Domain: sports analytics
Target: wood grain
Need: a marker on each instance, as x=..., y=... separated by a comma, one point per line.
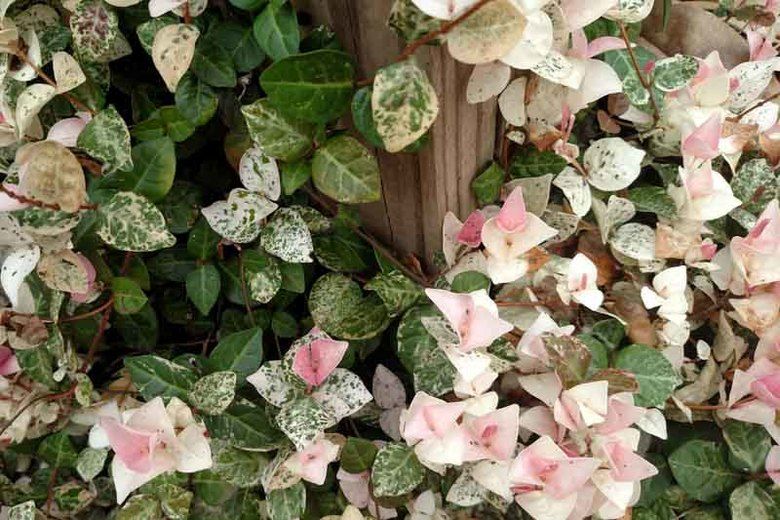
x=417, y=189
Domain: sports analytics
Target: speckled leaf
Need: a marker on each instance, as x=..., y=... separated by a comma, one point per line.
x=419, y=352
x=260, y=173
x=264, y=279
x=245, y=426
x=29, y=103
x=95, y=28
x=576, y=190
x=23, y=511
x=656, y=376
x=670, y=74
x=107, y=139
x=636, y=241
x=238, y=219
x=274, y=383
x=653, y=199
x=241, y=468
x=303, y=420
x=288, y=503
x=213, y=393
x=130, y=222
x=172, y=52
x=286, y=236
x=755, y=185
x=396, y=470
x=345, y=170
x=67, y=72
x=752, y=77
x=275, y=133
x=409, y=21
x=488, y=34
x=342, y=394
x=90, y=462
x=748, y=444
x=140, y=507
x=338, y=307
x=403, y=104
x=612, y=164
x=398, y=292
x=154, y=376
x=751, y=500
x=701, y=469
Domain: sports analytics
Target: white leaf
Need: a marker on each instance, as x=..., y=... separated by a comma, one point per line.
x=67, y=72
x=488, y=34
x=751, y=77
x=576, y=190
x=260, y=173
x=616, y=211
x=288, y=237
x=342, y=394
x=487, y=80
x=172, y=52
x=559, y=69
x=238, y=219
x=636, y=241
x=536, y=42
x=443, y=9
x=27, y=71
x=19, y=263
x=30, y=102
x=612, y=164
x=122, y=3
x=511, y=102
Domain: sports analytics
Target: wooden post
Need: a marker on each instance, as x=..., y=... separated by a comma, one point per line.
x=417, y=189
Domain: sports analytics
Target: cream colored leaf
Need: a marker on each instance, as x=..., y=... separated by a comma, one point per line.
x=50, y=173
x=172, y=52
x=488, y=34
x=576, y=190
x=486, y=81
x=30, y=102
x=67, y=72
x=27, y=71
x=511, y=102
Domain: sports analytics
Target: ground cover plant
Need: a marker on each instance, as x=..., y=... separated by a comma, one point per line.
x=195, y=324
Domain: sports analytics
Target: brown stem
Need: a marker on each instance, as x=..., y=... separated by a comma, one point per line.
x=501, y=303
x=45, y=77
x=85, y=315
x=98, y=336
x=39, y=203
x=187, y=15
x=640, y=75
x=48, y=397
x=762, y=103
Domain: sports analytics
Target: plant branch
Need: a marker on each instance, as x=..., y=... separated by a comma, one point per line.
x=638, y=70
x=757, y=105
x=39, y=203
x=45, y=77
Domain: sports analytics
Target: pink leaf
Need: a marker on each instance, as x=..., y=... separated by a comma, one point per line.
x=627, y=466
x=8, y=362
x=512, y=216
x=315, y=361
x=133, y=447
x=471, y=232
x=702, y=143
x=604, y=44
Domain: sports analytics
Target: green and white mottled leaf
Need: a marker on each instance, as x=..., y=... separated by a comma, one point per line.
x=345, y=170
x=751, y=500
x=29, y=103
x=212, y=394
x=487, y=35
x=396, y=470
x=755, y=184
x=287, y=236
x=67, y=72
x=245, y=426
x=146, y=31
x=303, y=420
x=263, y=276
x=671, y=74
x=576, y=190
x=58, y=451
x=656, y=376
x=701, y=469
x=23, y=511
x=612, y=164
x=342, y=394
x=338, y=307
x=315, y=86
x=403, y=104
x=172, y=52
x=635, y=241
x=748, y=445
x=419, y=352
x=260, y=173
x=752, y=77
x=238, y=219
x=154, y=376
x=288, y=503
x=140, y=507
x=409, y=21
x=95, y=29
x=398, y=292
x=276, y=134
x=241, y=468
x=616, y=211
x=274, y=383
x=107, y=139
x=129, y=222
x=653, y=199
x=91, y=462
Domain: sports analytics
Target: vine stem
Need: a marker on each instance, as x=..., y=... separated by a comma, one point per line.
x=372, y=241
x=640, y=75
x=45, y=77
x=47, y=397
x=757, y=105
x=35, y=202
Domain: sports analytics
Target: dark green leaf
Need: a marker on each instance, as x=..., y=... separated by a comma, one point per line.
x=358, y=455
x=203, y=285
x=240, y=352
x=276, y=30
x=128, y=297
x=701, y=468
x=213, y=65
x=154, y=376
x=487, y=185
x=195, y=99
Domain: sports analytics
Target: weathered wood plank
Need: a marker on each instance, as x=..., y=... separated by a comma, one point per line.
x=417, y=189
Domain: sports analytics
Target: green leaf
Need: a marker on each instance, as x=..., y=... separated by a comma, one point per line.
x=670, y=74
x=57, y=450
x=203, y=241
x=213, y=393
x=752, y=501
x=611, y=332
x=213, y=65
x=701, y=469
x=656, y=376
x=203, y=285
x=239, y=42
x=420, y=353
x=653, y=199
x=530, y=162
x=37, y=363
x=288, y=503
x=128, y=297
x=470, y=281
x=129, y=222
x=303, y=420
x=246, y=427
x=107, y=139
x=363, y=117
x=283, y=325
x=569, y=357
x=293, y=277
x=294, y=175
x=338, y=307
x=140, y=507
x=398, y=292
x=240, y=352
x=487, y=185
x=748, y=445
x=315, y=86
x=755, y=185
x=278, y=135
x=196, y=100
x=396, y=470
x=276, y=30
x=345, y=170
x=287, y=236
x=403, y=104
x=241, y=468
x=154, y=376
x=358, y=455
x=139, y=330
x=165, y=122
